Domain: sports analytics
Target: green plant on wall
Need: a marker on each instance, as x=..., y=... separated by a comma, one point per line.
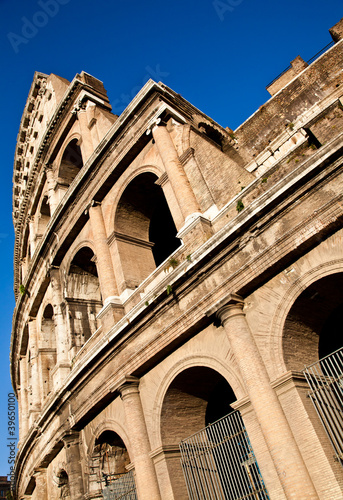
x=173, y=263
x=239, y=206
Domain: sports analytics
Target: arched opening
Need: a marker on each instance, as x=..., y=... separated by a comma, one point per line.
x=197, y=397
x=312, y=333
x=145, y=230
x=113, y=455
x=43, y=216
x=71, y=163
x=63, y=485
x=109, y=465
x=47, y=350
x=83, y=297
x=312, y=328
x=26, y=253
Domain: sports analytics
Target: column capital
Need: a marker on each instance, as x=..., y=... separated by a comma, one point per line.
x=70, y=438
x=155, y=123
x=230, y=305
x=48, y=167
x=128, y=385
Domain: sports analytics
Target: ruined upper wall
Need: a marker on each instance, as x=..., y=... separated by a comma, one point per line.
x=45, y=94
x=44, y=106
x=313, y=84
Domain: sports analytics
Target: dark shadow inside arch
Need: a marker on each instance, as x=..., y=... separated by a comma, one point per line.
x=313, y=328
x=63, y=484
x=197, y=397
x=111, y=455
x=71, y=162
x=48, y=349
x=83, y=263
x=83, y=297
x=143, y=213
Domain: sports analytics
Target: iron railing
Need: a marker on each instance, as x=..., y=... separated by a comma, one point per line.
x=309, y=61
x=325, y=378
x=119, y=487
x=219, y=463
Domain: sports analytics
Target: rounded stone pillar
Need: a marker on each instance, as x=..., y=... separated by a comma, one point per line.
x=103, y=256
x=175, y=171
x=284, y=451
x=86, y=143
x=62, y=367
x=52, y=195
x=146, y=479
x=74, y=469
x=35, y=405
x=23, y=399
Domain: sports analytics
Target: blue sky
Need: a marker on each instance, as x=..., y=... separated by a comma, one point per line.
x=218, y=54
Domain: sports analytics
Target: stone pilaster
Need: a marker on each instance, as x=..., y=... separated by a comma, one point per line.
x=195, y=228
x=86, y=143
x=175, y=171
x=51, y=183
x=113, y=309
x=74, y=469
x=146, y=479
x=62, y=368
x=284, y=451
x=41, y=489
x=23, y=399
x=32, y=237
x=35, y=403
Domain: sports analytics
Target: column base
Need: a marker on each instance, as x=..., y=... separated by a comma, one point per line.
x=33, y=415
x=111, y=313
x=195, y=232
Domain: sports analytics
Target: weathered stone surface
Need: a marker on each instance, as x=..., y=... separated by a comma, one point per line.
x=171, y=270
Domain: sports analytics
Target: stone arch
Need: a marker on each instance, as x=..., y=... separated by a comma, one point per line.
x=44, y=215
x=73, y=250
x=109, y=457
x=223, y=368
x=110, y=425
x=145, y=233
x=47, y=349
x=71, y=162
x=62, y=480
x=196, y=397
x=121, y=186
x=312, y=328
x=83, y=296
x=313, y=275
x=26, y=253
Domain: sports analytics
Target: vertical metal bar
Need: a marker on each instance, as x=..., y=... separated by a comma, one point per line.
x=326, y=393
x=219, y=464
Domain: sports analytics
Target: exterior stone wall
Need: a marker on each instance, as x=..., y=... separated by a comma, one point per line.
x=171, y=273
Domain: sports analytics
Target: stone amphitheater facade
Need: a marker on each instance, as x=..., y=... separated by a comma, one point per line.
x=168, y=272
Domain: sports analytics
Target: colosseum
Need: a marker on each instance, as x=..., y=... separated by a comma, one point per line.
x=179, y=292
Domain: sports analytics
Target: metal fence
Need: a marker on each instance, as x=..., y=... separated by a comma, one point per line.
x=121, y=487
x=219, y=463
x=325, y=378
